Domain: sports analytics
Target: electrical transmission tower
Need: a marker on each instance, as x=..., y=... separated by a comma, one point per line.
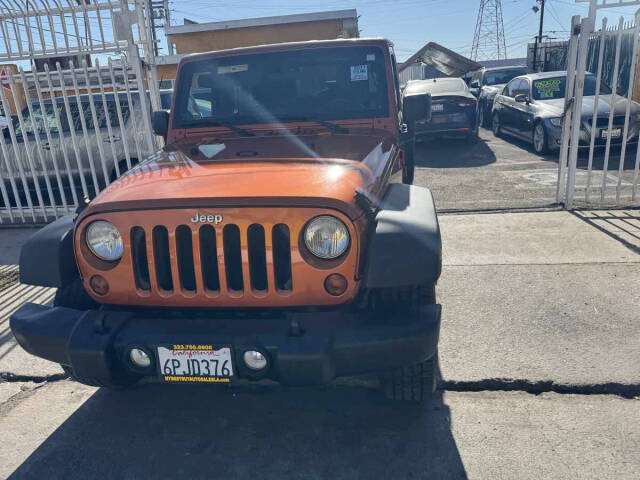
x=488, y=41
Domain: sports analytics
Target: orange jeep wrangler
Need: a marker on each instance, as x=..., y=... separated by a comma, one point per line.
x=277, y=235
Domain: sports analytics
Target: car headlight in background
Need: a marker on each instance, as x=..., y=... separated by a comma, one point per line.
x=556, y=122
x=104, y=240
x=326, y=237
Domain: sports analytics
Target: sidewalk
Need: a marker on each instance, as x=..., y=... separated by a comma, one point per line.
x=540, y=297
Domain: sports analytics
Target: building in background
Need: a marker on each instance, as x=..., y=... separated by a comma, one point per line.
x=204, y=37
x=434, y=61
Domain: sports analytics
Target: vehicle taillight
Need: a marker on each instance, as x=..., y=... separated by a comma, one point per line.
x=466, y=103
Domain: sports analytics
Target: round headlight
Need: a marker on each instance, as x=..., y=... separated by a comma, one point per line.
x=104, y=240
x=326, y=237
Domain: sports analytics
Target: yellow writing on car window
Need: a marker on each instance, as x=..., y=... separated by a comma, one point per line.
x=547, y=88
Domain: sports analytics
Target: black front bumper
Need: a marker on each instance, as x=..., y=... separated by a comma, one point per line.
x=302, y=347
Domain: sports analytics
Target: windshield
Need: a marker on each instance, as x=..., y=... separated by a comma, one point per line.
x=554, y=88
x=314, y=84
x=503, y=76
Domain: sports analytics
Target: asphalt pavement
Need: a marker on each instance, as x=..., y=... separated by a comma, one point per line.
x=538, y=354
x=505, y=173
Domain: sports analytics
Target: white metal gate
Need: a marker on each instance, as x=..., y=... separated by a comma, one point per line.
x=75, y=100
x=599, y=156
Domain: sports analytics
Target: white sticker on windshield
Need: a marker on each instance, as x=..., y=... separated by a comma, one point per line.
x=358, y=73
x=232, y=69
x=212, y=149
x=371, y=57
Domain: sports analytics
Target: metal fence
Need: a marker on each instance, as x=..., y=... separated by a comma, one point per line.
x=75, y=99
x=599, y=156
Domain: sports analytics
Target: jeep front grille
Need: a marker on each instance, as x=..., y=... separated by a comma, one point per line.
x=212, y=257
x=251, y=258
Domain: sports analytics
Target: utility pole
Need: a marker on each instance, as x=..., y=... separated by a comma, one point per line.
x=539, y=39
x=159, y=18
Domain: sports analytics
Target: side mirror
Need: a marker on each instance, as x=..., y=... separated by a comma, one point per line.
x=416, y=108
x=521, y=98
x=474, y=91
x=160, y=122
x=474, y=84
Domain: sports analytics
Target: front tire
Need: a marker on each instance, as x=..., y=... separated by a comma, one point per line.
x=495, y=124
x=472, y=137
x=484, y=117
x=539, y=139
x=415, y=383
x=408, y=171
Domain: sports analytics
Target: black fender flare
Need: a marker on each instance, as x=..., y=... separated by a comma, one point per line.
x=47, y=258
x=404, y=245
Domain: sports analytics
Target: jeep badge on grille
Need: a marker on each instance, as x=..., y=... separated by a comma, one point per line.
x=200, y=218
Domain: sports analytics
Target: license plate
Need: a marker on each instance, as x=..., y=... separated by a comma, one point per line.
x=195, y=364
x=615, y=133
x=438, y=107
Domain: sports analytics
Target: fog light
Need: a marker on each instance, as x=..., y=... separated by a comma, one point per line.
x=99, y=285
x=335, y=284
x=255, y=360
x=139, y=358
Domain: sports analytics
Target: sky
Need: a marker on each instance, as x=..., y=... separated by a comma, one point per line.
x=409, y=24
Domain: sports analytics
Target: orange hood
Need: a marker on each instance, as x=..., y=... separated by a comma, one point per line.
x=319, y=170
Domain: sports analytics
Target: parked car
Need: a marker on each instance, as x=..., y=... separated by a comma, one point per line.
x=531, y=107
x=453, y=108
x=63, y=147
x=486, y=83
x=276, y=236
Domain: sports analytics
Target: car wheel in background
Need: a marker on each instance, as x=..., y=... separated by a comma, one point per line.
x=495, y=124
x=484, y=116
x=472, y=136
x=539, y=138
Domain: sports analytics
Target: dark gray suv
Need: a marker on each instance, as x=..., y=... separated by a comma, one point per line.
x=486, y=83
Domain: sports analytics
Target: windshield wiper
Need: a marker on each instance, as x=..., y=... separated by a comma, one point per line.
x=240, y=131
x=333, y=127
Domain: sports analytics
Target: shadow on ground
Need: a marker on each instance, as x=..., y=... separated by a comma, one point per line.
x=248, y=432
x=621, y=225
x=598, y=159
x=453, y=153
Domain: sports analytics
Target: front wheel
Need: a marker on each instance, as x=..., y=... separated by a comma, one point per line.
x=472, y=136
x=539, y=139
x=483, y=117
x=495, y=124
x=415, y=383
x=408, y=171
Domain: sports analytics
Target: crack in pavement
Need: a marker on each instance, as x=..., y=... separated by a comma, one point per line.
x=629, y=391
x=624, y=390
x=12, y=377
